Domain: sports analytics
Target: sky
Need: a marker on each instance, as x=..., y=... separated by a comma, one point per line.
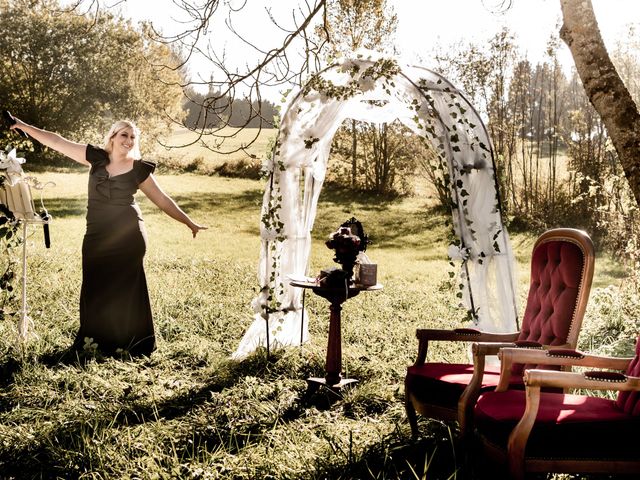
x=423, y=25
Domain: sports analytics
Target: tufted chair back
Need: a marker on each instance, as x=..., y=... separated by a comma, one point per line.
x=562, y=265
x=629, y=402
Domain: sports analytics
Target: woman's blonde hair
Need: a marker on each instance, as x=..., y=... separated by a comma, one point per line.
x=116, y=128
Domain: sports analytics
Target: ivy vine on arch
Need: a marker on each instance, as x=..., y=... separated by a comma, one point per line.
x=9, y=241
x=379, y=90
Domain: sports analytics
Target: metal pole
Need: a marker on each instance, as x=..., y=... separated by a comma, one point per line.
x=304, y=291
x=24, y=319
x=266, y=321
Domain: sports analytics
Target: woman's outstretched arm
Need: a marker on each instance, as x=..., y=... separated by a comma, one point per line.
x=73, y=150
x=165, y=203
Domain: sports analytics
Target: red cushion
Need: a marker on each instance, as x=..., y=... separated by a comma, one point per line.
x=556, y=271
x=564, y=353
x=629, y=402
x=442, y=384
x=571, y=426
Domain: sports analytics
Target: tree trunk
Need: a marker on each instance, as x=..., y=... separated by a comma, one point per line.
x=606, y=91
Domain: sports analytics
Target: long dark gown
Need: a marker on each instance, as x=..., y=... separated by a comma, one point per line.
x=115, y=312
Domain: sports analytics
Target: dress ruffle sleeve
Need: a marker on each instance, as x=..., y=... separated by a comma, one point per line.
x=96, y=156
x=143, y=169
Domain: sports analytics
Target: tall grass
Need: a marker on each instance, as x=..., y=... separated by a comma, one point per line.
x=188, y=411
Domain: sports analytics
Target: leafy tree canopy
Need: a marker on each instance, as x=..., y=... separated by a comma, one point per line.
x=75, y=75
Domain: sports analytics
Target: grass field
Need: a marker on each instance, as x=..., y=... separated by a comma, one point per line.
x=188, y=411
x=184, y=147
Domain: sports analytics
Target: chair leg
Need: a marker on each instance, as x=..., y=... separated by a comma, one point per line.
x=411, y=414
x=465, y=416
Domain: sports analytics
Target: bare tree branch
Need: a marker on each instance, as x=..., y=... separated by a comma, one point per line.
x=274, y=68
x=279, y=65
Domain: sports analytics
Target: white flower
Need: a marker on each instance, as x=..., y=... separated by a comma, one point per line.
x=458, y=253
x=13, y=165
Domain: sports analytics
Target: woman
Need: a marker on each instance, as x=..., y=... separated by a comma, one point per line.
x=115, y=312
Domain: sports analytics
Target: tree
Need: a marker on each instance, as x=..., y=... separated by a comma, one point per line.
x=278, y=66
x=390, y=158
x=353, y=25
x=75, y=75
x=604, y=87
x=580, y=31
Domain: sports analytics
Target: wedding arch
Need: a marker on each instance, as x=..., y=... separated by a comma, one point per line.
x=377, y=90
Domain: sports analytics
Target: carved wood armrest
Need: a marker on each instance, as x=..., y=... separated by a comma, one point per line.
x=464, y=335
x=424, y=335
x=543, y=355
x=595, y=380
x=559, y=356
x=482, y=349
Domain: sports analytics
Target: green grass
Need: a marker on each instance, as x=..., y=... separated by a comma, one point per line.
x=184, y=147
x=188, y=411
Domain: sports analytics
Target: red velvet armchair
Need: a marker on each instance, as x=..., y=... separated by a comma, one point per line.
x=536, y=431
x=562, y=264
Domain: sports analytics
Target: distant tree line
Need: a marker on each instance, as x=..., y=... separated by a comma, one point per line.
x=201, y=113
x=556, y=163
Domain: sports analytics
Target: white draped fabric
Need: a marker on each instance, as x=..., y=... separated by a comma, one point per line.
x=376, y=90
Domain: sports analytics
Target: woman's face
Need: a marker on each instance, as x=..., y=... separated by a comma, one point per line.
x=124, y=141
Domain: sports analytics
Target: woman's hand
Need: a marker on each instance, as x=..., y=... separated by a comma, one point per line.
x=16, y=124
x=195, y=228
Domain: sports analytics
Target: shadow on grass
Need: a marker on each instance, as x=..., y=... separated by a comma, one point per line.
x=340, y=196
x=225, y=375
x=391, y=228
x=8, y=370
x=11, y=366
x=248, y=200
x=398, y=456
x=210, y=429
x=65, y=207
x=386, y=227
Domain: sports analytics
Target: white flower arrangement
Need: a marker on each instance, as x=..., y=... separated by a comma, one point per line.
x=12, y=164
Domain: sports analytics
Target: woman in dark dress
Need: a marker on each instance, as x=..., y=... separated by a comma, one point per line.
x=115, y=312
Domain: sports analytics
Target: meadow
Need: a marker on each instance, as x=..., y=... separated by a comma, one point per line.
x=184, y=149
x=189, y=411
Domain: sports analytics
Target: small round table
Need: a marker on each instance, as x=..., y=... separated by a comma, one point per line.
x=336, y=296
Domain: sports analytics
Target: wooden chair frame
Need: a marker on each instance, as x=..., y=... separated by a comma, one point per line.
x=486, y=343
x=535, y=379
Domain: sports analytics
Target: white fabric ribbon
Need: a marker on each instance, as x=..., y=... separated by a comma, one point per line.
x=13, y=165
